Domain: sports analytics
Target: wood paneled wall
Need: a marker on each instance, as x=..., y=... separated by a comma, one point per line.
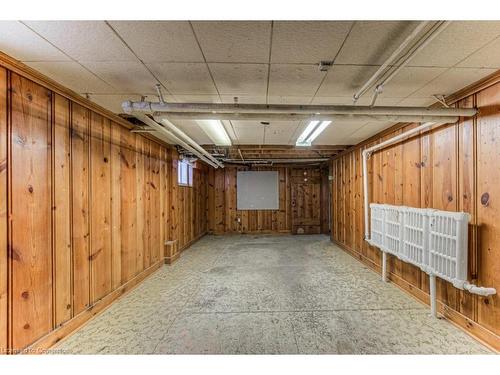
x=453, y=168
x=223, y=217
x=85, y=208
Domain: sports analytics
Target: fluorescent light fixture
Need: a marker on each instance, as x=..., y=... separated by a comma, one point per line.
x=215, y=131
x=311, y=132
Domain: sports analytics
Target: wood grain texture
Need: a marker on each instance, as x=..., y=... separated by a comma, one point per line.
x=3, y=211
x=90, y=205
x=453, y=168
x=223, y=216
x=80, y=184
x=31, y=237
x=488, y=205
x=100, y=207
x=62, y=210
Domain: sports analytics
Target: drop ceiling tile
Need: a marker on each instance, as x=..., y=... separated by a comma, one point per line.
x=294, y=80
x=486, y=57
x=279, y=132
x=23, y=44
x=347, y=100
x=197, y=99
x=410, y=79
x=124, y=76
x=367, y=130
x=160, y=41
x=184, y=78
x=337, y=133
x=72, y=75
x=193, y=130
x=345, y=80
x=452, y=80
x=250, y=133
x=240, y=79
x=456, y=42
x=234, y=41
x=289, y=100
x=113, y=102
x=416, y=102
x=84, y=40
x=372, y=42
x=307, y=42
x=244, y=99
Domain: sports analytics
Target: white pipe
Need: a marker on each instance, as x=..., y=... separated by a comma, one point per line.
x=152, y=107
x=367, y=152
x=384, y=266
x=480, y=290
x=434, y=32
x=168, y=136
x=391, y=58
x=433, y=295
x=180, y=134
x=365, y=195
x=173, y=116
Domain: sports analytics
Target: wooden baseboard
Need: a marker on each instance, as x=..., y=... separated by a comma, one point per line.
x=192, y=242
x=473, y=329
x=66, y=329
x=173, y=258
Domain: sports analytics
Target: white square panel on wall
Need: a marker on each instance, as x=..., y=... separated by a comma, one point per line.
x=257, y=190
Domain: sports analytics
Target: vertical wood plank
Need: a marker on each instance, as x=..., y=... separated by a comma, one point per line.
x=3, y=211
x=100, y=235
x=116, y=181
x=80, y=207
x=467, y=198
x=31, y=240
x=128, y=205
x=488, y=205
x=62, y=210
x=140, y=203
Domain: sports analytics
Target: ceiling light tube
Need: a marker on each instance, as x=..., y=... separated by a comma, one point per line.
x=215, y=131
x=318, y=131
x=301, y=141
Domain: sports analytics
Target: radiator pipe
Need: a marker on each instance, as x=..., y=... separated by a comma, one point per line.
x=384, y=266
x=366, y=154
x=433, y=295
x=479, y=290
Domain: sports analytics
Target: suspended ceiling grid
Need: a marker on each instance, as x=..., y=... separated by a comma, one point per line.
x=257, y=62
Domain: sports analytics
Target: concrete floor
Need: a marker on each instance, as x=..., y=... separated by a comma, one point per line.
x=267, y=295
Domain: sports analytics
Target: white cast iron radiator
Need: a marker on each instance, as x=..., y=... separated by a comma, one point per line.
x=433, y=240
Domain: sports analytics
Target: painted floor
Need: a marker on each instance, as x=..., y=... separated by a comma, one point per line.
x=267, y=295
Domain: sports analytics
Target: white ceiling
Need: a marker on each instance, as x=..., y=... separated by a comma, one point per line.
x=257, y=62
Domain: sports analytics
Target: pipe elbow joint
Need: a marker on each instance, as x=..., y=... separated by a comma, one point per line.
x=480, y=290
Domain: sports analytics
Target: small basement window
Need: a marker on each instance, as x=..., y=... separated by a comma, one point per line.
x=184, y=173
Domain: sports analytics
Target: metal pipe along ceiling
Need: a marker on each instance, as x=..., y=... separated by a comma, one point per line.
x=158, y=116
x=168, y=136
x=214, y=108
